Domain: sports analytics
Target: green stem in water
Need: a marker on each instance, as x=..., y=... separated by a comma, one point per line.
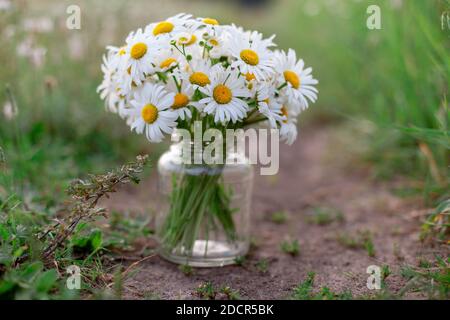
x=198, y=203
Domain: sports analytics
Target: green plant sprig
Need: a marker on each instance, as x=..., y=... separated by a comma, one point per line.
x=85, y=196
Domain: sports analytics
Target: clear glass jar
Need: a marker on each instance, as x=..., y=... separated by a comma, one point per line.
x=204, y=217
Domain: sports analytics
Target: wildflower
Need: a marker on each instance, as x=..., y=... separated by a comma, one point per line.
x=225, y=96
x=151, y=112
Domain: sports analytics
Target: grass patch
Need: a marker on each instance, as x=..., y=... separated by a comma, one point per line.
x=230, y=293
x=290, y=247
x=436, y=228
x=209, y=291
x=240, y=261
x=262, y=265
x=431, y=279
x=322, y=216
x=305, y=291
x=206, y=291
x=187, y=270
x=362, y=240
x=279, y=217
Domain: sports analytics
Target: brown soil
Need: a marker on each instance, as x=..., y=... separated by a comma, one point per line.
x=317, y=171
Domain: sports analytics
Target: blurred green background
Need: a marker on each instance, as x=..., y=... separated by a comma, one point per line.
x=388, y=87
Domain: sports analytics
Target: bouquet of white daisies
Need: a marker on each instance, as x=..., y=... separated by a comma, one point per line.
x=184, y=69
x=180, y=70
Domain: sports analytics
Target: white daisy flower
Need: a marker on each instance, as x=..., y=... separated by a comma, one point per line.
x=268, y=104
x=124, y=110
x=140, y=52
x=118, y=56
x=218, y=41
x=197, y=73
x=256, y=36
x=225, y=96
x=288, y=132
x=151, y=112
x=288, y=126
x=170, y=26
x=166, y=59
x=126, y=83
x=252, y=35
x=108, y=84
x=186, y=38
x=118, y=60
x=109, y=88
x=208, y=25
x=251, y=57
x=182, y=99
x=299, y=82
x=251, y=83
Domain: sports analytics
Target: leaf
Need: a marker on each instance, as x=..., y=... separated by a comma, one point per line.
x=19, y=252
x=89, y=243
x=135, y=180
x=80, y=242
x=80, y=227
x=4, y=233
x=32, y=269
x=96, y=239
x=6, y=287
x=46, y=281
x=37, y=130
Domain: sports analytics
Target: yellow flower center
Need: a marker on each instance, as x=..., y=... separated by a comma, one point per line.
x=249, y=76
x=149, y=113
x=166, y=63
x=292, y=78
x=284, y=112
x=186, y=41
x=222, y=94
x=250, y=57
x=121, y=51
x=138, y=50
x=192, y=41
x=212, y=21
x=181, y=100
x=214, y=42
x=199, y=78
x=163, y=27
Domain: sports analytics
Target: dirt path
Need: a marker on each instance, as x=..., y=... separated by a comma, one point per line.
x=314, y=173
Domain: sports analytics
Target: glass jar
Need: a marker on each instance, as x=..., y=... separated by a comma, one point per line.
x=203, y=219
